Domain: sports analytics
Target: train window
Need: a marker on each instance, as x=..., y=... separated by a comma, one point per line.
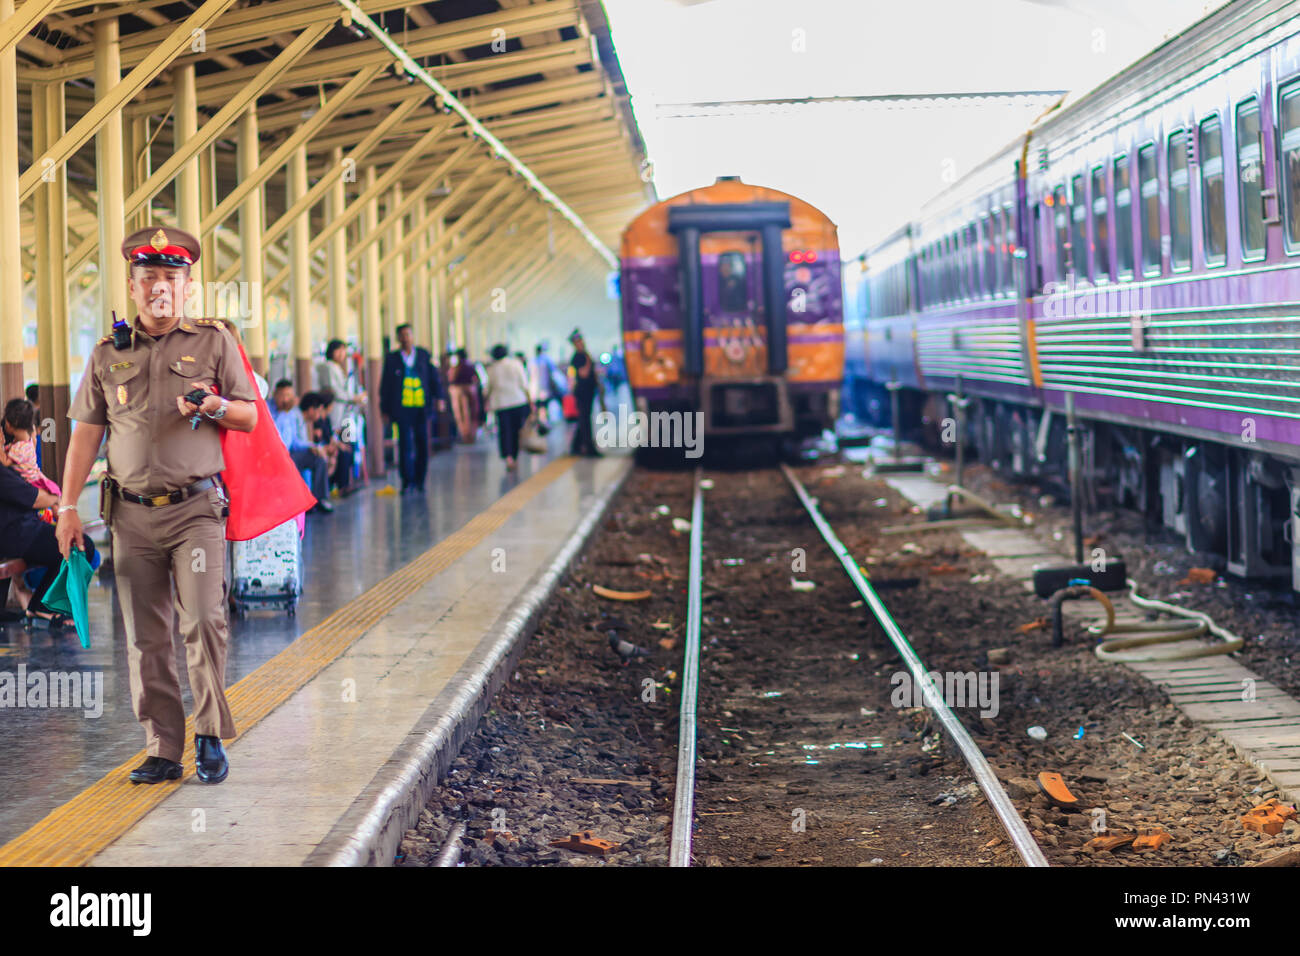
x=1289, y=132
x=991, y=229
x=1180, y=204
x=1250, y=179
x=1149, y=210
x=1008, y=250
x=973, y=260
x=1123, y=220
x=1061, y=218
x=1100, y=232
x=733, y=290
x=1214, y=215
x=958, y=267
x=1036, y=244
x=1079, y=227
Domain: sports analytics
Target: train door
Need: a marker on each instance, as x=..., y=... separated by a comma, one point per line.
x=733, y=307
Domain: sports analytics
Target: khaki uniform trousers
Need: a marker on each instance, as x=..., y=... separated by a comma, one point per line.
x=151, y=546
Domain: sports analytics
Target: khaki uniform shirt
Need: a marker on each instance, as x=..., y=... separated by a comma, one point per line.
x=133, y=391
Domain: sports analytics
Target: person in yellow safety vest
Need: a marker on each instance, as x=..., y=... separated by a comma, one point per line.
x=410, y=395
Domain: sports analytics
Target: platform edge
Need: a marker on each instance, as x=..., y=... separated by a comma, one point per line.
x=393, y=800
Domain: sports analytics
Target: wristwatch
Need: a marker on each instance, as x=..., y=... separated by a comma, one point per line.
x=220, y=413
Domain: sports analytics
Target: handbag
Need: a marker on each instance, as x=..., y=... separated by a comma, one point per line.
x=570, y=406
x=530, y=439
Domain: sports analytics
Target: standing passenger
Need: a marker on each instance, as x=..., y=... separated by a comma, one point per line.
x=584, y=382
x=409, y=391
x=507, y=395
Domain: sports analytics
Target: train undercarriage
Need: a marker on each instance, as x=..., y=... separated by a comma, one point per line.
x=1238, y=504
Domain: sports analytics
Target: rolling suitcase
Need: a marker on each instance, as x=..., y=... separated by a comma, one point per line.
x=267, y=571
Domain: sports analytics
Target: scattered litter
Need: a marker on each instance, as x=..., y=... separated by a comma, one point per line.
x=909, y=547
x=1078, y=734
x=802, y=585
x=1037, y=624
x=668, y=643
x=866, y=713
x=1046, y=501
x=999, y=655
x=1038, y=733
x=981, y=579
x=664, y=510
x=681, y=525
x=1269, y=817
x=1054, y=789
x=491, y=836
x=733, y=562
x=619, y=595
x=1110, y=842
x=584, y=842
x=854, y=657
x=944, y=800
x=662, y=626
x=836, y=471
x=944, y=569
x=856, y=604
x=1164, y=567
x=1131, y=740
x=1199, y=576
x=881, y=502
x=385, y=492
x=706, y=484
x=1058, y=536
x=1151, y=838
x=771, y=693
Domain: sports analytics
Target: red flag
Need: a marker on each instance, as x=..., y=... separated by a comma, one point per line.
x=266, y=489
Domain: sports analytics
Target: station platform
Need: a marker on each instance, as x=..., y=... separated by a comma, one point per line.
x=412, y=608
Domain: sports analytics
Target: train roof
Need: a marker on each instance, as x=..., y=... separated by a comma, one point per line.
x=1214, y=37
x=644, y=234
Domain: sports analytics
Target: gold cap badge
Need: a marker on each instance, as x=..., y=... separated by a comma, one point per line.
x=159, y=240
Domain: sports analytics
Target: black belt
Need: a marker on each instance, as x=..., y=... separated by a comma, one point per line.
x=157, y=501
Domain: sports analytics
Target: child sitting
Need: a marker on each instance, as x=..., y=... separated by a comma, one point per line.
x=20, y=444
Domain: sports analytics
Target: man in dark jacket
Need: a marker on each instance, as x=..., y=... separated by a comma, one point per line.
x=410, y=389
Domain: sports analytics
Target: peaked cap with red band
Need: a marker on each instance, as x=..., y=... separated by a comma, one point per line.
x=161, y=245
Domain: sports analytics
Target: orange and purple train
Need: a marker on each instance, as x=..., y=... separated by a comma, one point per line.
x=732, y=307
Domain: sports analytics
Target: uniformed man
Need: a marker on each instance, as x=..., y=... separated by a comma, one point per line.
x=162, y=497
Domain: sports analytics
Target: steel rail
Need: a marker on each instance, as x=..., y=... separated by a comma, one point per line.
x=1006, y=812
x=679, y=853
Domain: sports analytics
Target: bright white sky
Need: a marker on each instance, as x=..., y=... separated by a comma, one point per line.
x=869, y=167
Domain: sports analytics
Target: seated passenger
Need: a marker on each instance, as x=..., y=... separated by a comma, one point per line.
x=307, y=455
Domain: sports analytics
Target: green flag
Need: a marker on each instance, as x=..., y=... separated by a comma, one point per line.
x=69, y=593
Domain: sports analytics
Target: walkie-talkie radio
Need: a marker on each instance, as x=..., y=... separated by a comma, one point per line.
x=196, y=397
x=122, y=333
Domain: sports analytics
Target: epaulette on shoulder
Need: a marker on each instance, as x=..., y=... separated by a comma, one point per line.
x=105, y=340
x=218, y=324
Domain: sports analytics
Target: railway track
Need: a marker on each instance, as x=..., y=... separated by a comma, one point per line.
x=1016, y=829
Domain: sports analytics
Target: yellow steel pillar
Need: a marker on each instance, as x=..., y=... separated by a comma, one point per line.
x=420, y=292
x=251, y=312
x=137, y=168
x=11, y=263
x=110, y=178
x=372, y=334
x=438, y=311
x=300, y=279
x=189, y=194
x=207, y=202
x=397, y=268
x=338, y=248
x=51, y=202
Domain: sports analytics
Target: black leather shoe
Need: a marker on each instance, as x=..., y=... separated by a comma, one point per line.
x=210, y=759
x=156, y=770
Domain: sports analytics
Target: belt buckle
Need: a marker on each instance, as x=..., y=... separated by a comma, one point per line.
x=159, y=500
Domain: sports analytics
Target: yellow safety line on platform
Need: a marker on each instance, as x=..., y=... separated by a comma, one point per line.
x=87, y=824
